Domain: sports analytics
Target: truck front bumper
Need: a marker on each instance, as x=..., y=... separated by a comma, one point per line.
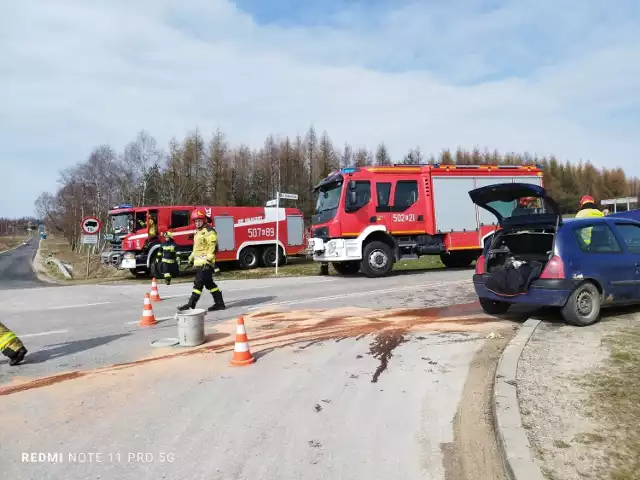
x=131, y=261
x=111, y=258
x=334, y=250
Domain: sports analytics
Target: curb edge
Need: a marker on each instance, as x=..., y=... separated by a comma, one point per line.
x=513, y=444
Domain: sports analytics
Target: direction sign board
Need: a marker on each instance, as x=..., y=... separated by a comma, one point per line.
x=90, y=239
x=289, y=196
x=91, y=225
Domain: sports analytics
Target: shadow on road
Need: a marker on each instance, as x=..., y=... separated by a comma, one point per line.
x=61, y=350
x=249, y=302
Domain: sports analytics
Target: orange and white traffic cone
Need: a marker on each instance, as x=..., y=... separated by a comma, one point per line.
x=155, y=295
x=147, y=318
x=241, y=354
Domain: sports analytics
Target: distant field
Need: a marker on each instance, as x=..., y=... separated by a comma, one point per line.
x=10, y=242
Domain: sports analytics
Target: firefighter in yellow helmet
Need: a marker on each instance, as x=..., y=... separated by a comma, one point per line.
x=11, y=346
x=168, y=258
x=205, y=246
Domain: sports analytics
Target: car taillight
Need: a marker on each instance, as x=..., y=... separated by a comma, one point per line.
x=554, y=269
x=480, y=265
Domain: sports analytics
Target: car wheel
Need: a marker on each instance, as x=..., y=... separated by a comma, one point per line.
x=583, y=307
x=377, y=259
x=249, y=258
x=493, y=307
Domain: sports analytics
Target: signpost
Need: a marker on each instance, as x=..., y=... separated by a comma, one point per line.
x=90, y=227
x=284, y=196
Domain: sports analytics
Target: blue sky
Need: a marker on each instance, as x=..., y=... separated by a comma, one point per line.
x=546, y=77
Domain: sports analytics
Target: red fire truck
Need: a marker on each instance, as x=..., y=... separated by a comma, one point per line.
x=369, y=218
x=245, y=234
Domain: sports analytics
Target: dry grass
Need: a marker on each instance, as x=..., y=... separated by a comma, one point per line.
x=296, y=266
x=616, y=399
x=9, y=242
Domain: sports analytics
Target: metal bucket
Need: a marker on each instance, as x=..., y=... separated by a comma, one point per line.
x=191, y=327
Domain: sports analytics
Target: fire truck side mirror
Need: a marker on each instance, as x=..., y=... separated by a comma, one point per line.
x=352, y=185
x=353, y=199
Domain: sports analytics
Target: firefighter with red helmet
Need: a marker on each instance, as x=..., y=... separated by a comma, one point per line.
x=203, y=256
x=588, y=208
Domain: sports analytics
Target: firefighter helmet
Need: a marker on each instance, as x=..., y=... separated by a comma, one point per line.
x=198, y=214
x=168, y=234
x=526, y=201
x=586, y=199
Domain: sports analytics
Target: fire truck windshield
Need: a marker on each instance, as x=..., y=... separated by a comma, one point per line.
x=122, y=223
x=327, y=202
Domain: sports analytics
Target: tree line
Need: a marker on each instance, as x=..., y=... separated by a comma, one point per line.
x=199, y=171
x=12, y=227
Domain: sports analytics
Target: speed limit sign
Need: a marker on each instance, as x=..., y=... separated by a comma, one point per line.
x=91, y=225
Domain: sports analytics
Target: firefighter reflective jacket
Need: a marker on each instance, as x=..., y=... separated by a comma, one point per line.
x=168, y=251
x=586, y=213
x=205, y=243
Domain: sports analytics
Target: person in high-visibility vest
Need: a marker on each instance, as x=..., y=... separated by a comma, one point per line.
x=11, y=346
x=205, y=246
x=168, y=262
x=588, y=209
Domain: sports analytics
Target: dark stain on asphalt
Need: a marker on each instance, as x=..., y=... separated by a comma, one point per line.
x=382, y=349
x=315, y=444
x=317, y=407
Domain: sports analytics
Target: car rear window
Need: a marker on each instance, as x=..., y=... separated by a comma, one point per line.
x=596, y=239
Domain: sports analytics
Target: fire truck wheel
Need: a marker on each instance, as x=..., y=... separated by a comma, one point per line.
x=249, y=258
x=269, y=257
x=155, y=269
x=139, y=273
x=377, y=259
x=346, y=268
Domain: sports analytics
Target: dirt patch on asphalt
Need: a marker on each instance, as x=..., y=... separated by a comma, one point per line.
x=473, y=454
x=277, y=329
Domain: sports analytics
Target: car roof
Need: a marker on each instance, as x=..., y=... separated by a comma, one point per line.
x=576, y=222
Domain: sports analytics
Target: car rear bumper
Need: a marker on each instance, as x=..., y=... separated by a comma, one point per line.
x=544, y=293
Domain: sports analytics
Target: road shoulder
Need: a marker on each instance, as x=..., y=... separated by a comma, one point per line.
x=513, y=443
x=578, y=391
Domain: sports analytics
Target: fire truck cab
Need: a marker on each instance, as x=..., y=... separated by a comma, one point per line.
x=368, y=218
x=245, y=234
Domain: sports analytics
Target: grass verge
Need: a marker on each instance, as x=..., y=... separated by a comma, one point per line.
x=616, y=398
x=7, y=243
x=98, y=273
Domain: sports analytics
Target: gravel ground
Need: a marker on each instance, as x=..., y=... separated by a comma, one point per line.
x=554, y=397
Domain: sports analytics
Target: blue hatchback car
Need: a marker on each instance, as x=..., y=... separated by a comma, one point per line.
x=537, y=258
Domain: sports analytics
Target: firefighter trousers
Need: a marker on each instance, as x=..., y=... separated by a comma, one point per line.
x=11, y=346
x=204, y=279
x=169, y=270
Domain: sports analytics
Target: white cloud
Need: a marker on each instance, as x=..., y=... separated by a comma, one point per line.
x=76, y=74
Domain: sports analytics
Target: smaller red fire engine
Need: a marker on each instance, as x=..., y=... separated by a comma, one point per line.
x=245, y=234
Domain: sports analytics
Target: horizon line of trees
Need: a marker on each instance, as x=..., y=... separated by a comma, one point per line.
x=197, y=171
x=16, y=226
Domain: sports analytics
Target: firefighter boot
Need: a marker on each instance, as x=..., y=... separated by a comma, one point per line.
x=190, y=304
x=218, y=302
x=18, y=357
x=167, y=280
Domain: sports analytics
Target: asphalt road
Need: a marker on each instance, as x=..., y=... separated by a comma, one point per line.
x=15, y=267
x=359, y=406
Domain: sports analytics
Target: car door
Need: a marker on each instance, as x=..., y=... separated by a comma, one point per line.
x=407, y=216
x=604, y=259
x=629, y=234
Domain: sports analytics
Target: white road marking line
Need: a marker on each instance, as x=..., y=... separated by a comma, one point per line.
x=52, y=332
x=356, y=294
x=63, y=307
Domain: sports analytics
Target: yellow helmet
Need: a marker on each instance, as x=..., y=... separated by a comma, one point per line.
x=168, y=234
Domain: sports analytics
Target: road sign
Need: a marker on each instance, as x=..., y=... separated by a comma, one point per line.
x=91, y=225
x=271, y=203
x=289, y=196
x=90, y=239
